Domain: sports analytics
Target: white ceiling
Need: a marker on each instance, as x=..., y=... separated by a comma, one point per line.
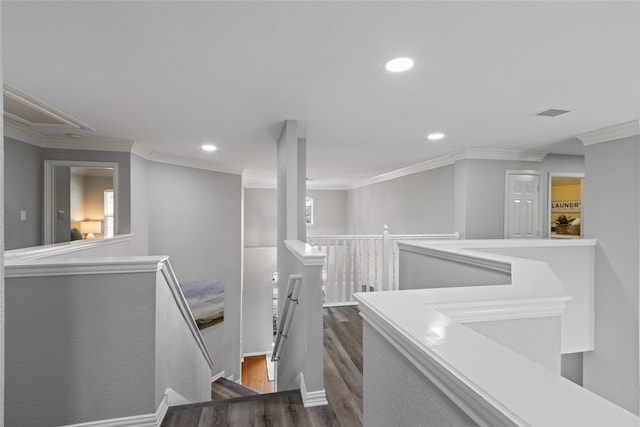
x=173, y=75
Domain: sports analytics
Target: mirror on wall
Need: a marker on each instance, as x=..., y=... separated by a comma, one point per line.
x=565, y=205
x=80, y=200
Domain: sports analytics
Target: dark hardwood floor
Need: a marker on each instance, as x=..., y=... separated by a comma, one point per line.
x=342, y=381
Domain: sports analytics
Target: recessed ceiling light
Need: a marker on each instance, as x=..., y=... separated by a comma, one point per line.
x=398, y=65
x=436, y=136
x=209, y=147
x=74, y=135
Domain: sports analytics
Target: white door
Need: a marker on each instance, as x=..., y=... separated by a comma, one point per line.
x=522, y=205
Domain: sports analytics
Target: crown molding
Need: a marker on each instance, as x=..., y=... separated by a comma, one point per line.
x=16, y=131
x=451, y=158
x=496, y=154
x=610, y=133
x=65, y=121
x=141, y=150
x=90, y=144
x=171, y=159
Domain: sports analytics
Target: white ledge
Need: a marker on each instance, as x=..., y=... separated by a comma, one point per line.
x=480, y=260
x=82, y=266
x=112, y=265
x=305, y=253
x=534, y=291
x=492, y=384
x=62, y=248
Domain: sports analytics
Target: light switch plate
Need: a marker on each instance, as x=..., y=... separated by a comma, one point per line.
x=23, y=215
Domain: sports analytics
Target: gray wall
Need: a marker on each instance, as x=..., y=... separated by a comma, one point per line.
x=419, y=203
x=260, y=215
x=24, y=178
x=419, y=271
x=194, y=217
x=79, y=348
x=139, y=210
x=329, y=212
x=124, y=177
x=482, y=215
x=396, y=393
x=479, y=200
x=91, y=347
x=612, y=208
x=23, y=187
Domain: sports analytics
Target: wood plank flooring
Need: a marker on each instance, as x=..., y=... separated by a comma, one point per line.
x=223, y=389
x=343, y=384
x=254, y=374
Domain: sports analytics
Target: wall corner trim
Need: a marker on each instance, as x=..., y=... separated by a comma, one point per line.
x=610, y=133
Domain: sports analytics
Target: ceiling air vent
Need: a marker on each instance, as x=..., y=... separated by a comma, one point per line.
x=551, y=112
x=31, y=112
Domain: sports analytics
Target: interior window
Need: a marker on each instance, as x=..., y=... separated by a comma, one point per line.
x=308, y=210
x=108, y=213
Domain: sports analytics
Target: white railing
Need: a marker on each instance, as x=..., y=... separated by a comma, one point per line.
x=287, y=314
x=362, y=263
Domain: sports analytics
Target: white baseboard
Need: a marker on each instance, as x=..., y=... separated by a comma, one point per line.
x=148, y=420
x=311, y=398
x=257, y=353
x=217, y=376
x=174, y=398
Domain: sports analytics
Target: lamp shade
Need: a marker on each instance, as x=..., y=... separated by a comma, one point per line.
x=90, y=227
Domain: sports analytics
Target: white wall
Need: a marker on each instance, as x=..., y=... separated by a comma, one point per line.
x=612, y=208
x=419, y=203
x=194, y=217
x=574, y=268
x=257, y=315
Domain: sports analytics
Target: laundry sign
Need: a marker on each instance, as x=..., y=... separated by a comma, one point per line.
x=566, y=206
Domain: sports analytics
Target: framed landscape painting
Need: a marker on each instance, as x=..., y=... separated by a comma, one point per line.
x=206, y=300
